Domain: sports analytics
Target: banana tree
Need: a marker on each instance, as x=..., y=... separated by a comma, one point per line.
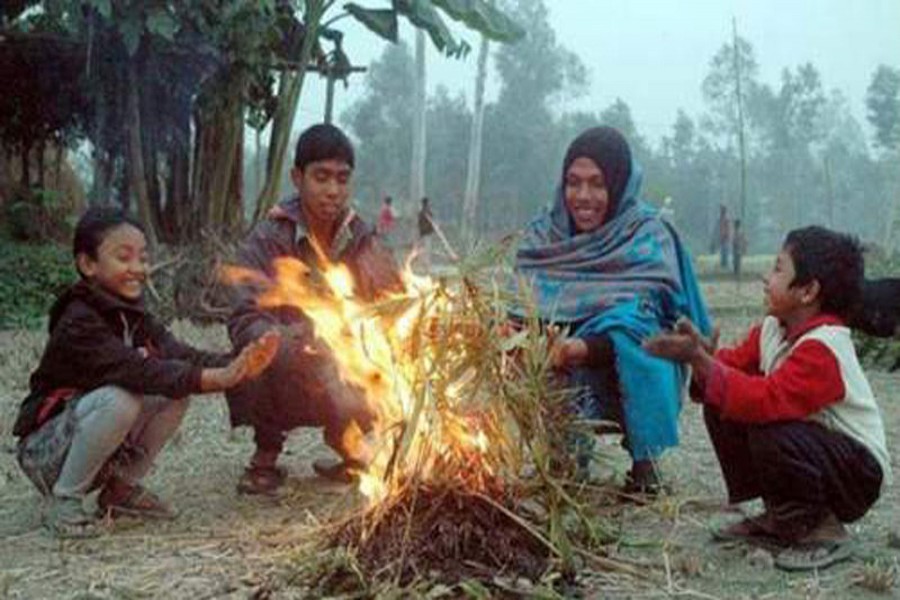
x=320, y=16
x=473, y=173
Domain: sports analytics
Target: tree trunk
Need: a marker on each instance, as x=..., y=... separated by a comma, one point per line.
x=41, y=151
x=25, y=175
x=177, y=210
x=57, y=165
x=289, y=89
x=136, y=175
x=220, y=121
x=473, y=175
x=417, y=169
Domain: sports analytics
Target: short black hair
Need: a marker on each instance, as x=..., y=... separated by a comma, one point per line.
x=94, y=224
x=833, y=259
x=323, y=142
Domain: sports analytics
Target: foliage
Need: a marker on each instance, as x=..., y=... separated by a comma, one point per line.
x=37, y=215
x=380, y=121
x=479, y=15
x=31, y=276
x=883, y=102
x=719, y=88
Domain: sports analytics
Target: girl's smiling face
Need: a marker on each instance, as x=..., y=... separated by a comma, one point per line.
x=121, y=264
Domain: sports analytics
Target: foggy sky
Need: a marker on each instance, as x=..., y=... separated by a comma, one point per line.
x=654, y=53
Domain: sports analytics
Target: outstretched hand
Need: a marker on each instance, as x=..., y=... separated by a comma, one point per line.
x=683, y=343
x=565, y=352
x=252, y=361
x=258, y=355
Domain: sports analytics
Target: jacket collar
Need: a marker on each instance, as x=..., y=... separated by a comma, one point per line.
x=290, y=210
x=95, y=296
x=794, y=333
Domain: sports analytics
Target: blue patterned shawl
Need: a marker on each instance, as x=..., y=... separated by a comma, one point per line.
x=628, y=279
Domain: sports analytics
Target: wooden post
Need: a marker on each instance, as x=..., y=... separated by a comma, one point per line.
x=329, y=94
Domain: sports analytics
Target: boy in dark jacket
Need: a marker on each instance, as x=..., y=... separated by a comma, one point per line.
x=112, y=384
x=303, y=387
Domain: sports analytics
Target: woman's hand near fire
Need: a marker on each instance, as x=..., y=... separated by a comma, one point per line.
x=565, y=352
x=253, y=360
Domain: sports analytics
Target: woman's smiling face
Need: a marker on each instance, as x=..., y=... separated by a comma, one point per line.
x=586, y=194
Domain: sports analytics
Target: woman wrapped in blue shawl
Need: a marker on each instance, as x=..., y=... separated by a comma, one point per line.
x=602, y=263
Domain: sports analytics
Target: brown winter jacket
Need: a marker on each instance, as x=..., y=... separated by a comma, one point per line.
x=97, y=339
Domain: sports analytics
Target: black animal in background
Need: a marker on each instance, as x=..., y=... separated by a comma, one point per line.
x=878, y=311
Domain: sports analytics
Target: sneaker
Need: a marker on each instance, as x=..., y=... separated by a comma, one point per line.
x=120, y=498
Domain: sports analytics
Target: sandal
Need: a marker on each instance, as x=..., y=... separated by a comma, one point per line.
x=67, y=519
x=346, y=471
x=258, y=480
x=119, y=498
x=814, y=555
x=643, y=480
x=753, y=530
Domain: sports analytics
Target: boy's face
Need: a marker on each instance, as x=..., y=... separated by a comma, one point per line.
x=783, y=299
x=324, y=189
x=121, y=263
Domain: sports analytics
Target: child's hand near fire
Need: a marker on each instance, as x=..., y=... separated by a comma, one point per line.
x=684, y=344
x=253, y=360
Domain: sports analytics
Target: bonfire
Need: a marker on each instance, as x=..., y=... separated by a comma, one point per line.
x=470, y=435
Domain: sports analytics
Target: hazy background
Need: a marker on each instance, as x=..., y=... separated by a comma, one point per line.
x=654, y=53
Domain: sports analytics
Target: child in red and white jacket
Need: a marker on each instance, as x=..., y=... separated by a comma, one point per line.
x=789, y=410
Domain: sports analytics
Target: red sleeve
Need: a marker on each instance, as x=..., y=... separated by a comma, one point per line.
x=806, y=382
x=744, y=356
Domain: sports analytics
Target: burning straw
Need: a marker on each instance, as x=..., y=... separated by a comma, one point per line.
x=470, y=428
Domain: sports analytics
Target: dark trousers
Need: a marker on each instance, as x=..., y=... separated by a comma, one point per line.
x=301, y=388
x=800, y=469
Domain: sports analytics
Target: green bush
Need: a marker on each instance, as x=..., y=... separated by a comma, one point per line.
x=37, y=215
x=31, y=277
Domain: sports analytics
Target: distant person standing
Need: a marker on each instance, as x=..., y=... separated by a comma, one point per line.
x=426, y=231
x=738, y=247
x=724, y=236
x=386, y=219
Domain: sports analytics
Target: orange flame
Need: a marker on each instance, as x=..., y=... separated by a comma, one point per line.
x=420, y=431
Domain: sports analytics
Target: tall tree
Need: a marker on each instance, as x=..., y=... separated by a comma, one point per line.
x=473, y=171
x=419, y=150
x=726, y=88
x=522, y=147
x=883, y=102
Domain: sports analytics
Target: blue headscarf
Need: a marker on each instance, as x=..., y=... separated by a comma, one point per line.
x=628, y=279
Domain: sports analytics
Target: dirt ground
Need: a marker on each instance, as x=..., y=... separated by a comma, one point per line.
x=227, y=546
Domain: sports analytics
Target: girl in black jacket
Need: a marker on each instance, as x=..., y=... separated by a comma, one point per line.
x=112, y=384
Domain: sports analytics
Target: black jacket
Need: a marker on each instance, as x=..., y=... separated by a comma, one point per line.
x=97, y=339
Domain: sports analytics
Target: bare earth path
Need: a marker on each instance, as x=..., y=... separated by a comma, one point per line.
x=227, y=546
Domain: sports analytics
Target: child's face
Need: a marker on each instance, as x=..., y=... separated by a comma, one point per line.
x=782, y=298
x=121, y=264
